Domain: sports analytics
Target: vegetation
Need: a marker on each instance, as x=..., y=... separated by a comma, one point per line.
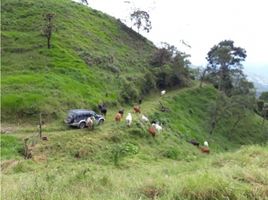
x=141, y=19
x=114, y=161
x=224, y=71
x=48, y=28
x=224, y=64
x=97, y=59
x=94, y=58
x=92, y=54
x=264, y=96
x=171, y=67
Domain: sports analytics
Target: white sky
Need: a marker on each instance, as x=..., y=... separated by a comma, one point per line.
x=202, y=24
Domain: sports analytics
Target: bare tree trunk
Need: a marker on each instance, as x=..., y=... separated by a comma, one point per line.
x=26, y=151
x=48, y=43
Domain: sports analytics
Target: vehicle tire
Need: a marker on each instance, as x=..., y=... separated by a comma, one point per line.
x=101, y=122
x=82, y=125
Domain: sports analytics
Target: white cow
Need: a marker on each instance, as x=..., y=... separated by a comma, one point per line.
x=129, y=119
x=157, y=127
x=206, y=144
x=90, y=122
x=144, y=118
x=163, y=92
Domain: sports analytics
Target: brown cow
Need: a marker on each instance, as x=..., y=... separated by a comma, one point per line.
x=204, y=150
x=118, y=117
x=137, y=109
x=152, y=131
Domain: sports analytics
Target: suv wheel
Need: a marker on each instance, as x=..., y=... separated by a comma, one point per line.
x=82, y=125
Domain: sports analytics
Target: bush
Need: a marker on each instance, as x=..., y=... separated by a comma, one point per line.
x=260, y=105
x=129, y=93
x=171, y=153
x=148, y=83
x=122, y=150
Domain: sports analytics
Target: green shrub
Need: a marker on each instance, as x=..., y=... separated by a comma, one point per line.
x=171, y=153
x=129, y=93
x=122, y=150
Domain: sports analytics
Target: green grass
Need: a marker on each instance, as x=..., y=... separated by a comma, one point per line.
x=11, y=147
x=91, y=54
x=116, y=162
x=95, y=58
x=236, y=175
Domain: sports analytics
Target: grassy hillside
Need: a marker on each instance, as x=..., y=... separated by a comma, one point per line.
x=117, y=162
x=95, y=58
x=92, y=57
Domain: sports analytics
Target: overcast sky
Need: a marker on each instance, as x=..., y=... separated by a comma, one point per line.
x=202, y=24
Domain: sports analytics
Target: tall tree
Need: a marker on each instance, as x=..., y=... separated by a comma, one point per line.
x=48, y=27
x=264, y=96
x=141, y=19
x=84, y=2
x=171, y=66
x=224, y=63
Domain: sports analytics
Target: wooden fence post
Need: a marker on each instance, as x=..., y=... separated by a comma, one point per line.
x=40, y=125
x=26, y=148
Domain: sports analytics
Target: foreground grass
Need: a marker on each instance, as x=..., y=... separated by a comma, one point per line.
x=239, y=175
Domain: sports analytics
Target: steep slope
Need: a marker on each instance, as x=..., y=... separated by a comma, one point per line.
x=119, y=162
x=92, y=57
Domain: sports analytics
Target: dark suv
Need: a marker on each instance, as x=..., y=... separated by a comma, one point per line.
x=79, y=117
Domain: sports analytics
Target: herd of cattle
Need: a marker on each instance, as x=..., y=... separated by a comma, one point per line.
x=154, y=128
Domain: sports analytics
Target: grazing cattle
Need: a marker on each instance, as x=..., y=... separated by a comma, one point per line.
x=204, y=150
x=152, y=131
x=154, y=122
x=144, y=119
x=206, y=144
x=121, y=111
x=129, y=119
x=118, y=117
x=194, y=142
x=163, y=92
x=90, y=122
x=102, y=109
x=137, y=109
x=140, y=101
x=45, y=138
x=157, y=127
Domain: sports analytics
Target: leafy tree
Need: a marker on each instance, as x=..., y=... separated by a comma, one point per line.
x=235, y=107
x=48, y=27
x=171, y=66
x=224, y=63
x=141, y=19
x=264, y=96
x=163, y=55
x=84, y=2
